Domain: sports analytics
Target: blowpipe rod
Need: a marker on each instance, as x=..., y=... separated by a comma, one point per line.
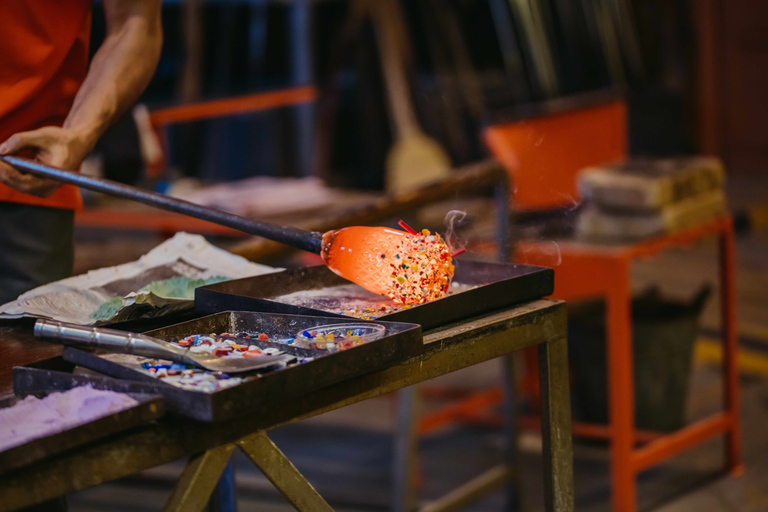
x=309, y=241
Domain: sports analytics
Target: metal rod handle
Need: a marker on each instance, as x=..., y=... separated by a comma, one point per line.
x=310, y=241
x=110, y=339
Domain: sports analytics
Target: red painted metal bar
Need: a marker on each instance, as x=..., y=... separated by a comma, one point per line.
x=429, y=423
x=233, y=106
x=680, y=239
x=548, y=251
x=161, y=118
x=673, y=444
x=445, y=392
x=595, y=431
x=165, y=222
x=730, y=345
x=621, y=396
x=478, y=414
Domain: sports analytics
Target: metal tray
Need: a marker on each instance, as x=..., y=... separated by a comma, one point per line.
x=400, y=342
x=36, y=380
x=493, y=286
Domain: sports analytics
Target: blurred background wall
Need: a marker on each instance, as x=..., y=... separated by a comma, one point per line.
x=693, y=72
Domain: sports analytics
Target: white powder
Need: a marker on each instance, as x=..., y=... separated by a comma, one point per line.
x=33, y=418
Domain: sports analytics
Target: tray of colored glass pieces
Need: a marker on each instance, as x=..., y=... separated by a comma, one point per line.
x=324, y=353
x=477, y=288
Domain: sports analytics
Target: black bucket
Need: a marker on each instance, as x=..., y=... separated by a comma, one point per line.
x=663, y=333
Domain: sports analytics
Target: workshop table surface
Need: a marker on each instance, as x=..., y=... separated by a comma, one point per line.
x=19, y=347
x=448, y=349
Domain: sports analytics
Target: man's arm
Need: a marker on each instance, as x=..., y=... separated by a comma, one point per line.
x=119, y=72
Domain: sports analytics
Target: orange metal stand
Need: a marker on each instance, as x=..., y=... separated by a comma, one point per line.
x=543, y=156
x=584, y=270
x=590, y=270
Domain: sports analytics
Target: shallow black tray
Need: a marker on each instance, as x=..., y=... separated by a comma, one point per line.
x=400, y=342
x=36, y=380
x=498, y=285
x=57, y=374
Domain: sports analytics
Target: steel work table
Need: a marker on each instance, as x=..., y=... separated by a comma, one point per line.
x=541, y=323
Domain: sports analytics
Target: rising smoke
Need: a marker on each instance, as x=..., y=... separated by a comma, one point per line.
x=453, y=221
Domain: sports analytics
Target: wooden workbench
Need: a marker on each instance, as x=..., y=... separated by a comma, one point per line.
x=541, y=323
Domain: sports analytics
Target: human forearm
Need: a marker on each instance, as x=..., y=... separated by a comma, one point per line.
x=119, y=72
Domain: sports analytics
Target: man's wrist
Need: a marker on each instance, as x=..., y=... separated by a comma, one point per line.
x=85, y=133
x=80, y=142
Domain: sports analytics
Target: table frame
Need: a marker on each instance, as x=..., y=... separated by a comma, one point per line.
x=540, y=323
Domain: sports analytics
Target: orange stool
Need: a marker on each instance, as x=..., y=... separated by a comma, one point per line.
x=543, y=156
x=588, y=271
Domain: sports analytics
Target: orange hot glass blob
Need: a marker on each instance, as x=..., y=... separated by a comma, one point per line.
x=409, y=269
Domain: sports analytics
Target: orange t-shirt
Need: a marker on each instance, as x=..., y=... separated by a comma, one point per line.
x=43, y=62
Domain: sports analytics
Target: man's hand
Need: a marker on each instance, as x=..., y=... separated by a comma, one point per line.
x=119, y=71
x=51, y=145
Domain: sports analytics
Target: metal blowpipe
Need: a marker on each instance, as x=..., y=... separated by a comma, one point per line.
x=310, y=241
x=363, y=255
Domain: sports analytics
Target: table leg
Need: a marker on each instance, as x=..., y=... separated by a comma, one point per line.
x=501, y=195
x=556, y=426
x=282, y=473
x=511, y=455
x=621, y=397
x=405, y=461
x=730, y=348
x=198, y=479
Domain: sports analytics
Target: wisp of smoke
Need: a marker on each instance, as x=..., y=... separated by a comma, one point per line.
x=452, y=221
x=555, y=254
x=548, y=255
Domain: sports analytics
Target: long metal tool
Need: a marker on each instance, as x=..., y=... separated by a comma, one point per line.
x=415, y=159
x=147, y=346
x=309, y=241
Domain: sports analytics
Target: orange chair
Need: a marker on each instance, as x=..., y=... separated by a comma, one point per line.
x=543, y=156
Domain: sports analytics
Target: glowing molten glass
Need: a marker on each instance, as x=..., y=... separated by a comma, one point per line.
x=409, y=269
